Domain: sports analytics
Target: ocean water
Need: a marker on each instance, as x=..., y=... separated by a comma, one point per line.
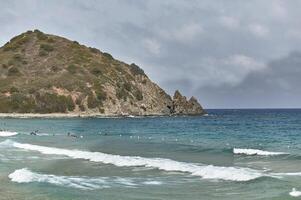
x=229, y=154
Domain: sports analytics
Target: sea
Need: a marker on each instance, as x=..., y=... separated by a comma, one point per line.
x=232, y=154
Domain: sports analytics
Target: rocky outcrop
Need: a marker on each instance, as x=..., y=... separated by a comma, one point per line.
x=43, y=73
x=180, y=105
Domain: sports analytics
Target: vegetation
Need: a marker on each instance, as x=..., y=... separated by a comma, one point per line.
x=41, y=35
x=41, y=72
x=135, y=69
x=92, y=101
x=94, y=50
x=127, y=86
x=43, y=53
x=13, y=71
x=96, y=71
x=72, y=68
x=46, y=47
x=17, y=102
x=53, y=103
x=138, y=95
x=107, y=55
x=50, y=40
x=4, y=66
x=122, y=94
x=16, y=42
x=13, y=90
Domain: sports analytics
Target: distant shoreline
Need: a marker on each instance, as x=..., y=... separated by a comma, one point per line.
x=61, y=115
x=80, y=115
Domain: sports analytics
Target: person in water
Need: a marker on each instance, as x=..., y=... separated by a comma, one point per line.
x=34, y=132
x=72, y=135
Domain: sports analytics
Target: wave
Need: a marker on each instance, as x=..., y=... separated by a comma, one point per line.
x=204, y=171
x=152, y=182
x=200, y=170
x=280, y=175
x=81, y=182
x=252, y=152
x=295, y=193
x=7, y=133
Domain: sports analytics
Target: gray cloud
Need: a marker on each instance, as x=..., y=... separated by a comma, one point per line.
x=278, y=84
x=226, y=53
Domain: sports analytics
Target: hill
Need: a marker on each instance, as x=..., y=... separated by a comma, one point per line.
x=43, y=73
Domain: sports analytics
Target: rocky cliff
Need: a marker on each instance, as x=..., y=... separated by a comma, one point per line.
x=183, y=106
x=42, y=73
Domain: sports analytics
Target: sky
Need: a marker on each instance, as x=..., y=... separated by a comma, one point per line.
x=226, y=53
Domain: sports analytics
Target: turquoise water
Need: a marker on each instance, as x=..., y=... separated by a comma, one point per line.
x=154, y=157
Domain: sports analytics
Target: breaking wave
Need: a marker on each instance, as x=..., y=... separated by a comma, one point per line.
x=295, y=193
x=86, y=183
x=200, y=170
x=7, y=133
x=252, y=152
x=204, y=171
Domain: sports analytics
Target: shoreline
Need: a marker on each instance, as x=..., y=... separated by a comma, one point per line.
x=81, y=115
x=62, y=115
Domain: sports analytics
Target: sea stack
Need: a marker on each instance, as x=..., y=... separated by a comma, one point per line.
x=183, y=107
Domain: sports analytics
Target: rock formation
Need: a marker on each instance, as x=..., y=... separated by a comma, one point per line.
x=43, y=73
x=183, y=107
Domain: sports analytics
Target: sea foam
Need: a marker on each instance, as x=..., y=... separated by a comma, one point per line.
x=252, y=152
x=295, y=193
x=7, y=133
x=86, y=183
x=203, y=171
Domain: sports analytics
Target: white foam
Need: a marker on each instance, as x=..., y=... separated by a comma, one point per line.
x=295, y=193
x=204, y=171
x=7, y=133
x=152, y=182
x=44, y=134
x=86, y=183
x=281, y=174
x=258, y=152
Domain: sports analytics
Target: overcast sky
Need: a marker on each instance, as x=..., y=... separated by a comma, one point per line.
x=227, y=53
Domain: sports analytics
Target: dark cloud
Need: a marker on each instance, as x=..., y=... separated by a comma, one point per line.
x=226, y=53
x=279, y=85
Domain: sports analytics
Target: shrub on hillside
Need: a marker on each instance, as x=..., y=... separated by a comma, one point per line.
x=46, y=47
x=42, y=53
x=136, y=70
x=121, y=93
x=92, y=101
x=94, y=50
x=16, y=42
x=101, y=95
x=96, y=71
x=13, y=71
x=13, y=89
x=17, y=103
x=52, y=103
x=4, y=66
x=72, y=68
x=40, y=35
x=127, y=86
x=138, y=95
x=50, y=40
x=107, y=55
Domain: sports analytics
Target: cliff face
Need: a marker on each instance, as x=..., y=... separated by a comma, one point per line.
x=41, y=73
